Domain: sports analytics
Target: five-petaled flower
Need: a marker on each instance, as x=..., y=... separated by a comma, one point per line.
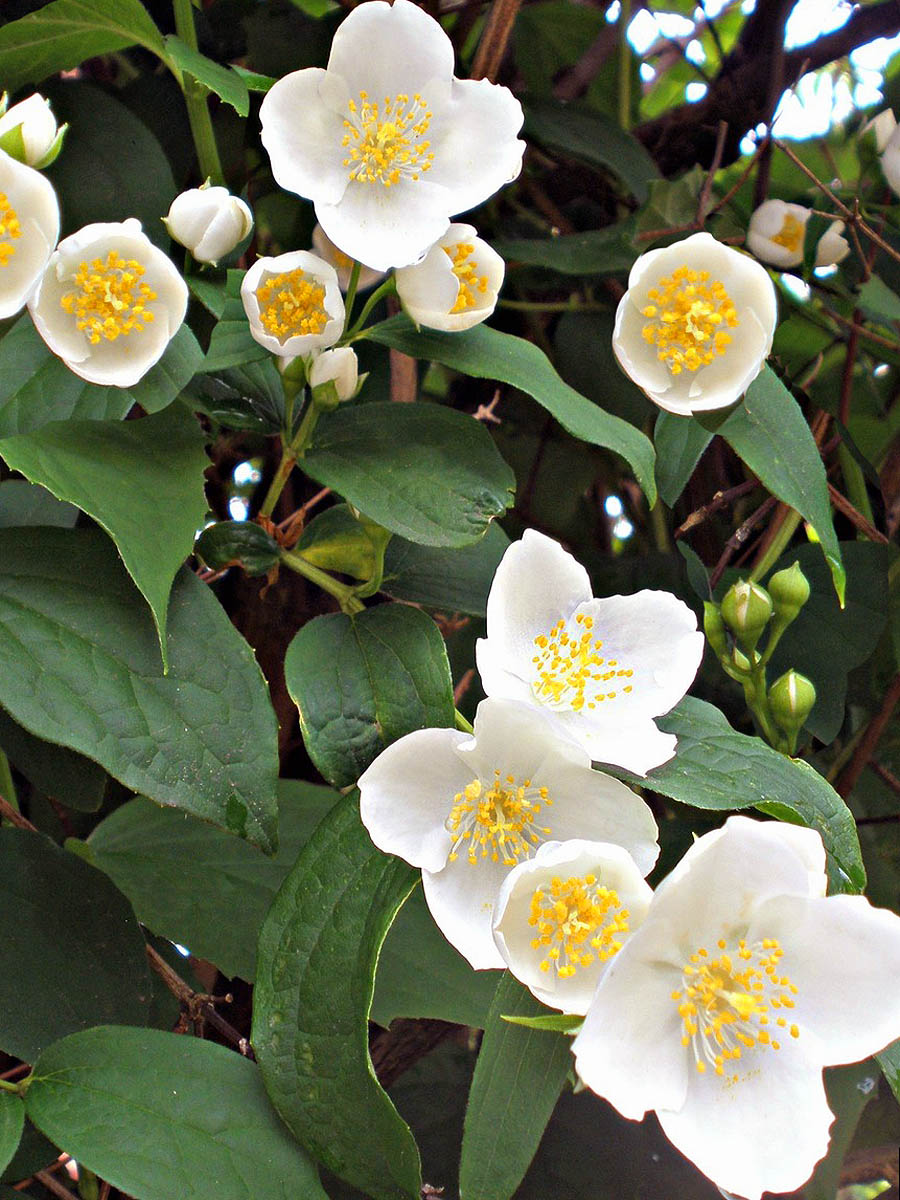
x=467, y=808
x=743, y=981
x=696, y=324
x=455, y=285
x=777, y=231
x=602, y=669
x=29, y=227
x=385, y=141
x=293, y=303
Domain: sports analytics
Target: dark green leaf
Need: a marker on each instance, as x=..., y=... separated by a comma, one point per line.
x=225, y=82
x=22, y=503
x=63, y=34
x=336, y=541
x=12, y=1120
x=71, y=950
x=584, y=357
x=429, y=473
x=182, y=875
x=361, y=682
x=879, y=301
x=232, y=344
x=160, y=1116
x=451, y=580
x=518, y=1078
x=67, y=777
x=595, y=252
x=849, y=1090
x=769, y=432
x=548, y=1022
x=679, y=441
x=242, y=542
x=80, y=666
x=247, y=397
x=256, y=82
x=489, y=354
x=142, y=481
x=33, y=1154
x=889, y=1061
x=317, y=956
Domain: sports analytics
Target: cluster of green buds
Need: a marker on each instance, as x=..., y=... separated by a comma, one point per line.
x=734, y=629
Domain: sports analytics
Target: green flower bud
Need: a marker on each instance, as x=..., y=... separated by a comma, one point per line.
x=791, y=699
x=789, y=590
x=746, y=610
x=714, y=628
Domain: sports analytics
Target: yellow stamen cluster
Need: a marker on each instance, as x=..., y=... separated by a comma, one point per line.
x=111, y=300
x=791, y=234
x=578, y=920
x=686, y=319
x=292, y=304
x=10, y=229
x=570, y=672
x=385, y=143
x=497, y=821
x=730, y=1003
x=465, y=268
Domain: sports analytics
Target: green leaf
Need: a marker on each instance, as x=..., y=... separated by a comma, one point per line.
x=142, y=481
x=37, y=388
x=715, y=767
x=451, y=580
x=336, y=541
x=71, y=950
x=247, y=397
x=361, y=682
x=429, y=473
x=518, y=1078
x=680, y=442
x=889, y=1061
x=65, y=33
x=22, y=503
x=849, y=1090
x=158, y=1116
x=548, y=1022
x=181, y=874
x=231, y=343
x=489, y=354
x=33, y=1154
x=421, y=975
x=241, y=542
x=67, y=777
x=879, y=301
x=12, y=1121
x=596, y=252
x=80, y=666
x=595, y=139
x=769, y=432
x=224, y=81
x=317, y=956
x=254, y=81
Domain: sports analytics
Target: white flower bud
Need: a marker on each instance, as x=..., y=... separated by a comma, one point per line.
x=455, y=285
x=36, y=125
x=890, y=161
x=882, y=125
x=339, y=366
x=209, y=221
x=777, y=231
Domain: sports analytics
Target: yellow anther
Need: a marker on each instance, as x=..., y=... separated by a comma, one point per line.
x=292, y=304
x=386, y=143
x=10, y=229
x=565, y=667
x=791, y=234
x=465, y=268
x=577, y=920
x=110, y=300
x=497, y=821
x=684, y=319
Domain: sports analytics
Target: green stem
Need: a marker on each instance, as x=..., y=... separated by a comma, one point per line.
x=659, y=527
x=855, y=483
x=384, y=289
x=7, y=787
x=18, y=1089
x=462, y=723
x=624, y=66
x=276, y=487
x=341, y=591
x=777, y=546
x=195, y=99
x=350, y=298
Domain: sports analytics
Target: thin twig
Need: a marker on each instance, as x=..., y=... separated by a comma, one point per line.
x=14, y=816
x=888, y=776
x=54, y=1186
x=864, y=526
x=463, y=686
x=719, y=500
x=495, y=39
x=869, y=740
x=197, y=1006
x=740, y=536
x=703, y=202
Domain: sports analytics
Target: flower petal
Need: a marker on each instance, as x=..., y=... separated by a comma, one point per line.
x=637, y=746
x=461, y=899
x=302, y=134
x=386, y=227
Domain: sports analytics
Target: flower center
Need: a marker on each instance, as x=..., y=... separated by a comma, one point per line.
x=570, y=671
x=730, y=1003
x=465, y=268
x=686, y=319
x=291, y=305
x=111, y=301
x=9, y=230
x=578, y=920
x=497, y=820
x=791, y=234
x=386, y=143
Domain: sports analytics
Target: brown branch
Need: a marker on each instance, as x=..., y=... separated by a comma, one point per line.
x=864, y=526
x=868, y=742
x=738, y=538
x=198, y=1007
x=887, y=776
x=14, y=816
x=495, y=39
x=719, y=500
x=54, y=1186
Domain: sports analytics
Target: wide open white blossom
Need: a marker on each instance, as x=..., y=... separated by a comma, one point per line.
x=562, y=916
x=696, y=325
x=342, y=263
x=467, y=808
x=777, y=231
x=455, y=285
x=742, y=983
x=29, y=227
x=209, y=221
x=602, y=669
x=293, y=303
x=109, y=303
x=386, y=142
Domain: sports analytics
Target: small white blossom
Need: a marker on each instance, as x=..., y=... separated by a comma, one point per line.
x=890, y=161
x=209, y=221
x=601, y=669
x=696, y=325
x=109, y=303
x=742, y=983
x=455, y=285
x=467, y=808
x=340, y=366
x=386, y=142
x=777, y=231
x=293, y=303
x=562, y=916
x=35, y=125
x=342, y=263
x=882, y=125
x=29, y=227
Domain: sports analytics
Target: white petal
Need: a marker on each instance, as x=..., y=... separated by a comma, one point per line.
x=408, y=791
x=638, y=746
x=520, y=740
x=728, y=376
x=461, y=899
x=386, y=227
x=832, y=247
x=428, y=289
x=764, y=1133
x=637, y=358
x=302, y=134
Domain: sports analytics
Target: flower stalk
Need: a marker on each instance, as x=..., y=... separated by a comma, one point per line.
x=195, y=99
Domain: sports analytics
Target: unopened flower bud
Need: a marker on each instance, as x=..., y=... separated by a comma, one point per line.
x=28, y=131
x=746, y=610
x=789, y=590
x=714, y=628
x=209, y=221
x=791, y=699
x=340, y=368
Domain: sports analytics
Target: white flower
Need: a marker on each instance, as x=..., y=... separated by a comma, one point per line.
x=777, y=230
x=882, y=125
x=696, y=324
x=29, y=227
x=340, y=366
x=209, y=221
x=342, y=263
x=455, y=285
x=742, y=983
x=562, y=916
x=386, y=142
x=466, y=808
x=890, y=161
x=109, y=302
x=36, y=126
x=293, y=303
x=602, y=669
